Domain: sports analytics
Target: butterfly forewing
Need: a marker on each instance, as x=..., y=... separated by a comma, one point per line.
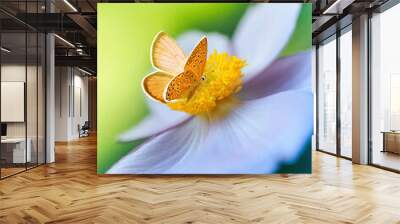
x=166, y=55
x=197, y=59
x=184, y=83
x=155, y=83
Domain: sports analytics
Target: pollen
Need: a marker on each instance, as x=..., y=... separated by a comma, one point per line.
x=222, y=78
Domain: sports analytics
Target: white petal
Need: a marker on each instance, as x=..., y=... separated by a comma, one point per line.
x=161, y=152
x=254, y=138
x=161, y=109
x=161, y=118
x=288, y=73
x=216, y=41
x=262, y=33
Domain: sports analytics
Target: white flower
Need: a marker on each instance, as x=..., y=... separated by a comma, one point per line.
x=271, y=125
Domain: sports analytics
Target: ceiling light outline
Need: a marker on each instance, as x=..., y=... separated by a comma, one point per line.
x=331, y=6
x=337, y=7
x=84, y=71
x=65, y=41
x=70, y=5
x=5, y=50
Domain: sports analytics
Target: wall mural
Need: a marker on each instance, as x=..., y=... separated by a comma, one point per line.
x=204, y=88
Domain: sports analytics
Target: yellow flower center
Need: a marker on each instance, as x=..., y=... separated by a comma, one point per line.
x=222, y=77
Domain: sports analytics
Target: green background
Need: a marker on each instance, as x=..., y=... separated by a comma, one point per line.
x=125, y=32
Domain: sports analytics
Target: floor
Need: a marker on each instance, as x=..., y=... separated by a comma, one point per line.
x=70, y=191
x=8, y=171
x=386, y=159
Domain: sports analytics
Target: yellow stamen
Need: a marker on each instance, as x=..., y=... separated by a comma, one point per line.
x=222, y=78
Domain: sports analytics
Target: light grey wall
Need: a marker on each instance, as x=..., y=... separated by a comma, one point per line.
x=71, y=102
x=62, y=81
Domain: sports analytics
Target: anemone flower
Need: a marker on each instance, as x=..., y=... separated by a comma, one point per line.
x=265, y=122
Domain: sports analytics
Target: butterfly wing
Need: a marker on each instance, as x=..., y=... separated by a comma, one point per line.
x=189, y=79
x=197, y=59
x=180, y=85
x=166, y=55
x=155, y=83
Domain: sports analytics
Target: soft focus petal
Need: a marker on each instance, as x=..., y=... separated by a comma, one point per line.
x=216, y=41
x=254, y=138
x=263, y=33
x=161, y=118
x=161, y=152
x=161, y=109
x=289, y=73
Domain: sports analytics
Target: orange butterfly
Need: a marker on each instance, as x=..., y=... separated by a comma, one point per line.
x=176, y=76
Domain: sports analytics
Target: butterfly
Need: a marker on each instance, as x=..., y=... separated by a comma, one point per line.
x=176, y=76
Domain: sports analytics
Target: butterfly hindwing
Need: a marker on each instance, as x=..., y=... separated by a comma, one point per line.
x=197, y=59
x=166, y=55
x=155, y=83
x=180, y=85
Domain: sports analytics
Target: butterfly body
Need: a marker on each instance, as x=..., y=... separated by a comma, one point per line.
x=176, y=77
